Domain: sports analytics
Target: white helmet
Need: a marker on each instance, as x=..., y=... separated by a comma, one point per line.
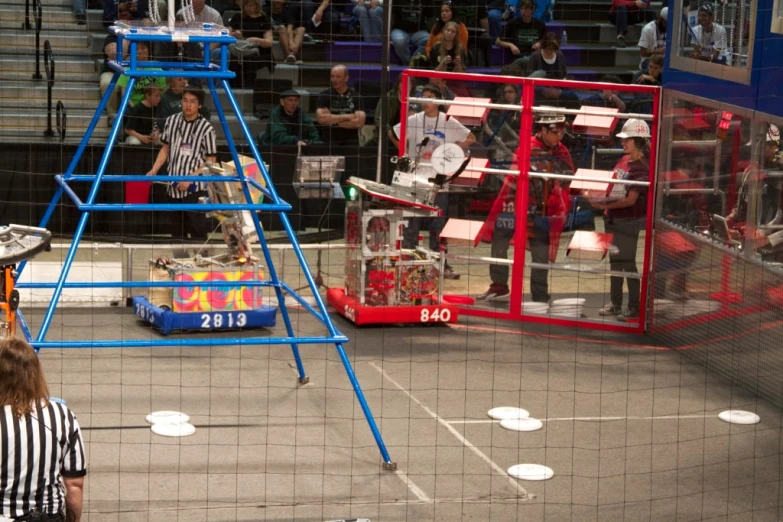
x=773, y=133
x=635, y=128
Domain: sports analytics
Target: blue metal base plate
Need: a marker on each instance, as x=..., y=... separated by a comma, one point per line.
x=168, y=321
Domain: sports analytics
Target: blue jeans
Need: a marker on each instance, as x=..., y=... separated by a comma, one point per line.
x=78, y=7
x=495, y=17
x=402, y=42
x=370, y=22
x=621, y=17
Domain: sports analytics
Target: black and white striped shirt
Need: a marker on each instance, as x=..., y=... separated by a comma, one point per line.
x=190, y=142
x=35, y=451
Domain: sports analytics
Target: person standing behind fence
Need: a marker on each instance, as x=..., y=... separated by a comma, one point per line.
x=625, y=218
x=42, y=461
x=188, y=144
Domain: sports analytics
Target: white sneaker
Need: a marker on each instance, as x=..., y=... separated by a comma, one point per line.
x=291, y=58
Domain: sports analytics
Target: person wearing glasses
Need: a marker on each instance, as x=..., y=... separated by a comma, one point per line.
x=548, y=206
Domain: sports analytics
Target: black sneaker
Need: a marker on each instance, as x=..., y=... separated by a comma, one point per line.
x=628, y=315
x=610, y=309
x=620, y=40
x=495, y=292
x=81, y=19
x=450, y=273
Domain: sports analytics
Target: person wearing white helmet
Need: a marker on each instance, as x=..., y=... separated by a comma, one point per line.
x=548, y=206
x=624, y=218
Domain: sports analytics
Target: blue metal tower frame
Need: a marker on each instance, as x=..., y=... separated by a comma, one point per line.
x=213, y=74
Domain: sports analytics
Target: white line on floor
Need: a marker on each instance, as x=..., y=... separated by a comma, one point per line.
x=553, y=419
x=457, y=435
x=416, y=490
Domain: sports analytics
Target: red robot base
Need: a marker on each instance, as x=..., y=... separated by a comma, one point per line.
x=359, y=314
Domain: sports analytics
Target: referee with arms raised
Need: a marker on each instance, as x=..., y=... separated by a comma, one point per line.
x=40, y=444
x=188, y=143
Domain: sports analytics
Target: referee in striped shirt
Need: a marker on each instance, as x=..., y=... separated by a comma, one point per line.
x=188, y=143
x=42, y=464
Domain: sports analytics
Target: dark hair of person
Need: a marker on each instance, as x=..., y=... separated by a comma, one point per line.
x=432, y=89
x=642, y=144
x=657, y=59
x=439, y=24
x=550, y=42
x=22, y=382
x=198, y=92
x=611, y=78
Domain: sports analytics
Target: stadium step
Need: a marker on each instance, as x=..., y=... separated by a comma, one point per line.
x=45, y=3
x=36, y=90
x=70, y=66
x=20, y=39
x=51, y=14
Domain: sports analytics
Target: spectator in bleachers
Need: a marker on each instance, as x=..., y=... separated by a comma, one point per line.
x=436, y=32
x=204, y=13
x=142, y=55
x=549, y=59
x=499, y=11
x=523, y=35
x=141, y=127
x=609, y=98
x=467, y=15
x=171, y=101
x=370, y=16
x=290, y=31
x=79, y=11
x=449, y=54
x=654, y=74
x=709, y=38
x=653, y=39
x=408, y=28
x=340, y=111
x=251, y=28
x=319, y=19
x=624, y=12
x=129, y=10
x=110, y=53
x=288, y=124
x=500, y=132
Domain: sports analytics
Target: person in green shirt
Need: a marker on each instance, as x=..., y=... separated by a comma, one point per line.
x=288, y=124
x=142, y=55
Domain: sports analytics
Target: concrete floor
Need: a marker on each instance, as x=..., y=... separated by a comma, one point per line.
x=630, y=427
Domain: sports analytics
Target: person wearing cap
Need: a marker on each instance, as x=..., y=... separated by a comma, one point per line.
x=652, y=41
x=708, y=38
x=548, y=206
x=426, y=131
x=624, y=218
x=288, y=124
x=523, y=35
x=738, y=216
x=624, y=12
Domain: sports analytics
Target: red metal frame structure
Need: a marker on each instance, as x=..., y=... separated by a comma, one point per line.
x=528, y=85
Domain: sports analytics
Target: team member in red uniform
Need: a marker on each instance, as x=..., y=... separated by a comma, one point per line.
x=548, y=206
x=624, y=218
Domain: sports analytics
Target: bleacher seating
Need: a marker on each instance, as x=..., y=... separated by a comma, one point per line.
x=590, y=53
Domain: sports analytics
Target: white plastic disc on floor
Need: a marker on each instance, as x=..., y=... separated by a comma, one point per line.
x=570, y=301
x=528, y=424
x=507, y=412
x=174, y=429
x=739, y=417
x=531, y=472
x=173, y=417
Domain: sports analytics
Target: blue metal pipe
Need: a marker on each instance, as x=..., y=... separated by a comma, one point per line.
x=123, y=65
x=141, y=73
x=91, y=127
x=25, y=329
x=144, y=177
x=68, y=190
x=315, y=313
x=246, y=190
x=363, y=402
x=251, y=143
x=139, y=343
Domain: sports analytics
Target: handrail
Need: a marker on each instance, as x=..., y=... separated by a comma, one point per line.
x=38, y=24
x=26, y=24
x=49, y=66
x=62, y=117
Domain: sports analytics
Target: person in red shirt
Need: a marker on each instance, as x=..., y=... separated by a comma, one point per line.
x=548, y=206
x=624, y=12
x=624, y=218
